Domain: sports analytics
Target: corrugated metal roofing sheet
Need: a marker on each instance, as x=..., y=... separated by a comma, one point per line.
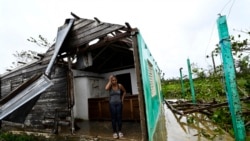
x=61, y=35
x=28, y=91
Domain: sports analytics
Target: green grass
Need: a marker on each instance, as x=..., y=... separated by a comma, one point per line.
x=8, y=136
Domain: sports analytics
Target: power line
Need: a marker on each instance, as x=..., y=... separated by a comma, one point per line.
x=230, y=8
x=209, y=41
x=225, y=6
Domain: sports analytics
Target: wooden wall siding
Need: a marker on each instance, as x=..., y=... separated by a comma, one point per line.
x=15, y=79
x=53, y=98
x=87, y=30
x=5, y=87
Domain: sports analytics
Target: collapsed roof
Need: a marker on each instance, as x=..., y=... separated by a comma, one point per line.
x=98, y=46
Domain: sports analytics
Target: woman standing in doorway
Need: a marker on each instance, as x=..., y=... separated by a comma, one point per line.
x=117, y=93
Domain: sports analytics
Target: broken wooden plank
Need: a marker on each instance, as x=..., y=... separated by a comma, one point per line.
x=173, y=109
x=212, y=106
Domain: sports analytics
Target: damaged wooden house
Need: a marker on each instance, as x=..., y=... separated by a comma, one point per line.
x=67, y=83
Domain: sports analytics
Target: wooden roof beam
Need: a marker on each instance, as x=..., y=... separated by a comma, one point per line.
x=104, y=42
x=75, y=16
x=107, y=41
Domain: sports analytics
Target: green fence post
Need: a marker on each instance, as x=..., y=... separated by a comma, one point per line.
x=230, y=77
x=191, y=81
x=182, y=85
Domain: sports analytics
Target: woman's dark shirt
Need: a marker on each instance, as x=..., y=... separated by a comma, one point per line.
x=115, y=96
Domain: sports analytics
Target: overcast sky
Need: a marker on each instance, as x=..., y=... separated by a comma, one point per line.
x=174, y=30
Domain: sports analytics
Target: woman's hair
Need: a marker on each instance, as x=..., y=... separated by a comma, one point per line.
x=114, y=76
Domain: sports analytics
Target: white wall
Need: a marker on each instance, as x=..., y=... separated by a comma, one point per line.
x=86, y=85
x=82, y=94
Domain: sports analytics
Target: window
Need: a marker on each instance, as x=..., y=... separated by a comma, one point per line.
x=151, y=79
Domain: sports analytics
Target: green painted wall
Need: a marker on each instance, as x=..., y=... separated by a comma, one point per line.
x=151, y=86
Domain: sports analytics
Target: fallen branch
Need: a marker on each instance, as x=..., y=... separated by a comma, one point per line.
x=212, y=106
x=173, y=109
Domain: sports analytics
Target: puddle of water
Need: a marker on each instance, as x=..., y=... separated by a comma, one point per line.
x=193, y=127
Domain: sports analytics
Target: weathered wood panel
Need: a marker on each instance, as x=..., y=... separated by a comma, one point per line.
x=78, y=21
x=95, y=33
x=25, y=71
x=86, y=32
x=99, y=108
x=52, y=99
x=83, y=24
x=5, y=88
x=14, y=79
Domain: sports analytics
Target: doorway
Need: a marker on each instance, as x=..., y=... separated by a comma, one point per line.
x=125, y=80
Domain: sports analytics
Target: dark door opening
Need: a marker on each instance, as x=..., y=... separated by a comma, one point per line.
x=125, y=80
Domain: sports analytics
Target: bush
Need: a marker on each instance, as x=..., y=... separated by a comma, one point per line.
x=8, y=136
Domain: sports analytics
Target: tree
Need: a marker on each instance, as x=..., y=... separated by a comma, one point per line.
x=27, y=56
x=240, y=52
x=23, y=57
x=41, y=41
